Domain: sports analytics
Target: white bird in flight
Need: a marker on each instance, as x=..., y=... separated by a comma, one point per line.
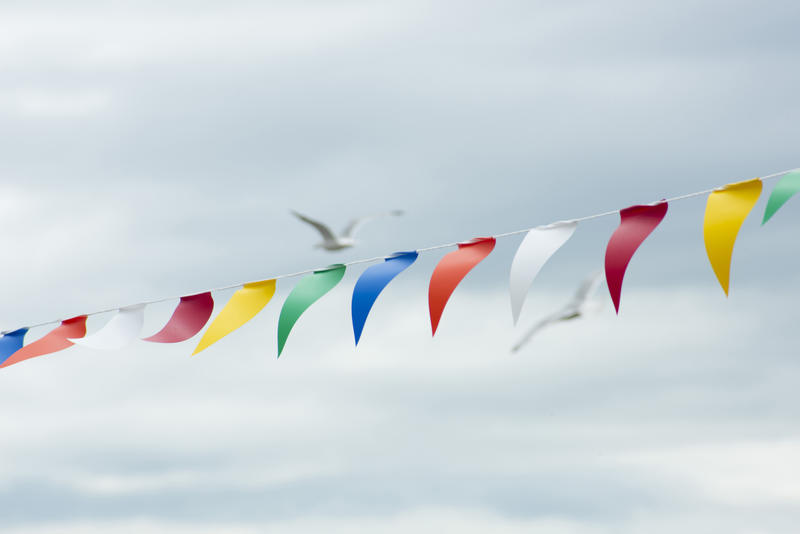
x=331, y=241
x=579, y=306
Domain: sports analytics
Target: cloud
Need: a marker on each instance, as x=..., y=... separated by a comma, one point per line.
x=113, y=37
x=576, y=434
x=50, y=104
x=154, y=150
x=425, y=520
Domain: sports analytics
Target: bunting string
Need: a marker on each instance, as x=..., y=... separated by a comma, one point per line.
x=726, y=209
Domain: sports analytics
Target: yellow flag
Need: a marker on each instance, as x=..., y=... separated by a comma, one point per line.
x=243, y=306
x=726, y=210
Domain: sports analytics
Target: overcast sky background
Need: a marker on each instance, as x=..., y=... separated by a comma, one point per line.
x=151, y=150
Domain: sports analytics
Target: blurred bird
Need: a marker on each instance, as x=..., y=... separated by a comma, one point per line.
x=331, y=241
x=579, y=306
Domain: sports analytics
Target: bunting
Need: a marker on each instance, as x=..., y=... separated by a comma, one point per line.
x=726, y=209
x=11, y=343
x=243, y=306
x=636, y=223
x=189, y=317
x=783, y=191
x=372, y=282
x=307, y=291
x=121, y=330
x=536, y=248
x=451, y=270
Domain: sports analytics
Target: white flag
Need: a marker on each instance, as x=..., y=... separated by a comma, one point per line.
x=534, y=251
x=123, y=328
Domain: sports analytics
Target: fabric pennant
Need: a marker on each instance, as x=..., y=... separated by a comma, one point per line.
x=242, y=306
x=307, y=291
x=11, y=343
x=121, y=330
x=449, y=272
x=371, y=283
x=189, y=317
x=636, y=223
x=536, y=248
x=786, y=187
x=726, y=210
x=56, y=340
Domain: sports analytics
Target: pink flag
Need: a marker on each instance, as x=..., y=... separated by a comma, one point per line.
x=636, y=223
x=189, y=318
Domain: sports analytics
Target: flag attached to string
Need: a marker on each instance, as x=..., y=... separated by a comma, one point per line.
x=726, y=210
x=785, y=189
x=536, y=248
x=307, y=291
x=11, y=343
x=121, y=330
x=242, y=306
x=636, y=223
x=189, y=317
x=449, y=272
x=370, y=284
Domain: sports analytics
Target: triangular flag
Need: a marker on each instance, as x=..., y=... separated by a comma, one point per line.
x=189, y=317
x=726, y=210
x=371, y=283
x=449, y=272
x=786, y=187
x=11, y=343
x=122, y=329
x=242, y=306
x=307, y=291
x=534, y=251
x=636, y=223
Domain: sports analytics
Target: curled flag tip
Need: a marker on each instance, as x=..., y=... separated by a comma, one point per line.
x=11, y=343
x=243, y=306
x=56, y=340
x=726, y=210
x=370, y=284
x=785, y=189
x=636, y=223
x=449, y=272
x=122, y=329
x=189, y=317
x=307, y=291
x=534, y=251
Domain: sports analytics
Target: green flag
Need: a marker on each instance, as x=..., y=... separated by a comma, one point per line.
x=305, y=293
x=784, y=189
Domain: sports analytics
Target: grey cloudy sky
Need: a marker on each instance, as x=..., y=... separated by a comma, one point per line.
x=153, y=149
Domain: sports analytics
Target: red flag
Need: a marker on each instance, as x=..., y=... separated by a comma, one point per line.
x=636, y=223
x=55, y=341
x=451, y=270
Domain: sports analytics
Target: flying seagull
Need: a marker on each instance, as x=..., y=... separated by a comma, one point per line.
x=331, y=241
x=577, y=307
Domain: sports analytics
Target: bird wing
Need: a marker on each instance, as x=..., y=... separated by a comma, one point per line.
x=585, y=291
x=573, y=310
x=327, y=235
x=533, y=330
x=353, y=225
x=567, y=314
